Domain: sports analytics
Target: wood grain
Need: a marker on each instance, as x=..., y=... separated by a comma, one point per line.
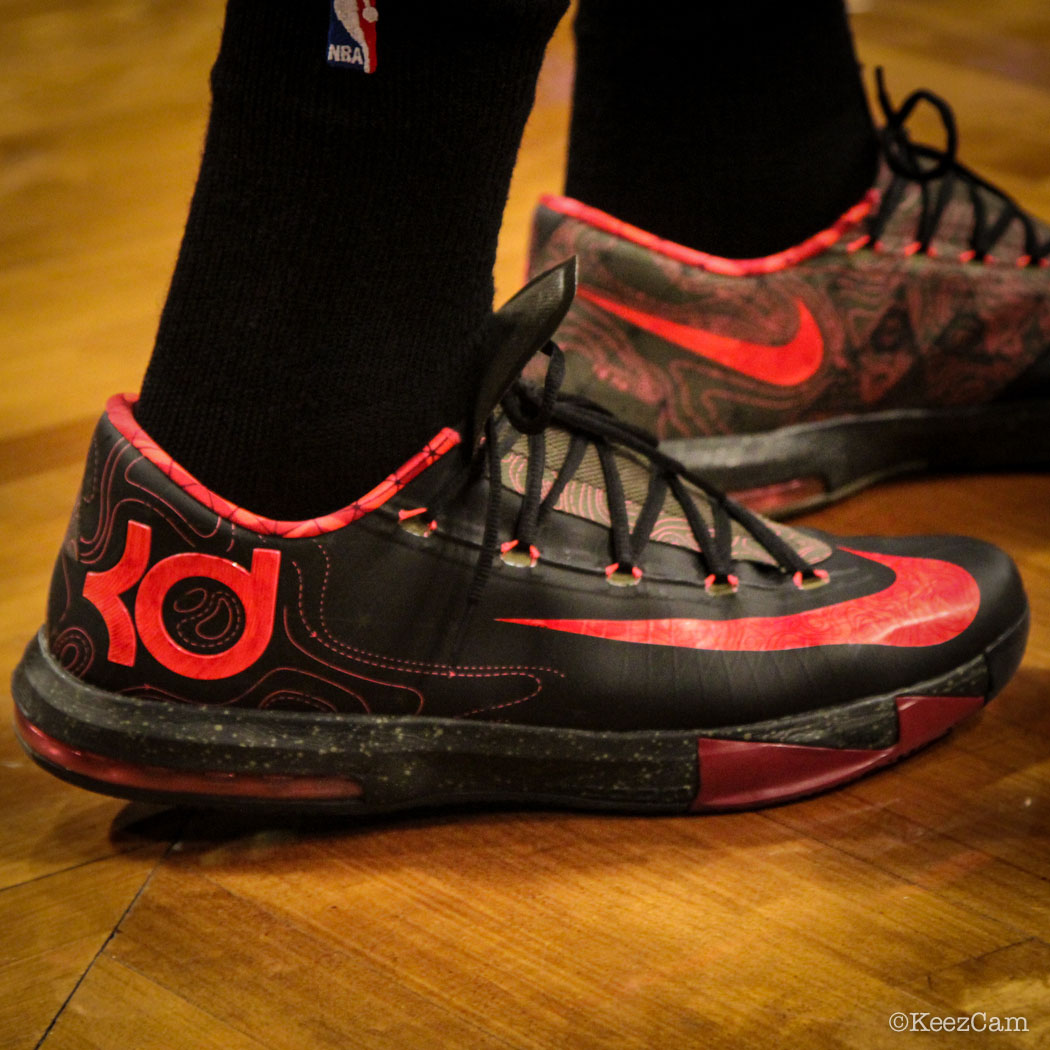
x=925, y=888
x=53, y=929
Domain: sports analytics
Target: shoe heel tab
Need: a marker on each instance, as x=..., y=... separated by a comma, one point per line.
x=519, y=329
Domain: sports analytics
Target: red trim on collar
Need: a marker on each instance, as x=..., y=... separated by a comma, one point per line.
x=119, y=410
x=714, y=263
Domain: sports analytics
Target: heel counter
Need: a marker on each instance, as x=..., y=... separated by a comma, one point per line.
x=71, y=639
x=153, y=587
x=105, y=552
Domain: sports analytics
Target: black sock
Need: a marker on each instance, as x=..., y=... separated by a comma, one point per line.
x=338, y=256
x=735, y=128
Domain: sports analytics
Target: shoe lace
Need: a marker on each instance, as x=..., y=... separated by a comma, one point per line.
x=530, y=410
x=912, y=163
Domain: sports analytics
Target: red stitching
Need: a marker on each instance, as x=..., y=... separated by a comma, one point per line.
x=376, y=660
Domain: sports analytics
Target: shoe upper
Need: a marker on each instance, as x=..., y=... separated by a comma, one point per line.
x=541, y=564
x=932, y=292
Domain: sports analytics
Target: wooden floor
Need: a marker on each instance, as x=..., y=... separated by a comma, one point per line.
x=923, y=889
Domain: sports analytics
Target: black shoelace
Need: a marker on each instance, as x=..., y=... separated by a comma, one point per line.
x=927, y=166
x=530, y=410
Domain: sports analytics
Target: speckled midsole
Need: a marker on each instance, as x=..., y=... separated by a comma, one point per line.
x=370, y=763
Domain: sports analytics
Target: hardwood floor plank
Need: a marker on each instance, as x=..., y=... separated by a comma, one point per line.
x=920, y=854
x=149, y=1018
x=1008, y=984
x=270, y=979
x=45, y=449
x=104, y=109
x=49, y=827
x=493, y=916
x=630, y=968
x=53, y=928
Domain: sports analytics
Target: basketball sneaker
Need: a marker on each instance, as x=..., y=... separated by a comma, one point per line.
x=540, y=608
x=914, y=334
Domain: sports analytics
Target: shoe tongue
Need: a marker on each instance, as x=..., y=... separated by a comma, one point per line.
x=517, y=331
x=586, y=496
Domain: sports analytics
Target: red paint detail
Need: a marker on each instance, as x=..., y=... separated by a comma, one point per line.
x=790, y=364
x=967, y=256
x=404, y=515
x=800, y=581
x=611, y=570
x=534, y=551
x=737, y=773
x=929, y=603
x=256, y=589
x=912, y=248
x=119, y=411
x=732, y=579
x=158, y=778
x=714, y=263
x=103, y=590
x=857, y=243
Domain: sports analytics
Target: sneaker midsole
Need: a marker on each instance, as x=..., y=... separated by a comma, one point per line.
x=165, y=751
x=844, y=453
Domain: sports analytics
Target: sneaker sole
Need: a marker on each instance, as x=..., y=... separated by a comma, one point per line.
x=810, y=465
x=360, y=764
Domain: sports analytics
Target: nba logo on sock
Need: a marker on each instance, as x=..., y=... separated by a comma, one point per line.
x=352, y=35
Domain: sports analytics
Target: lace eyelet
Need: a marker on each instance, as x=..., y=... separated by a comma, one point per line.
x=723, y=587
x=811, y=582
x=623, y=578
x=510, y=553
x=413, y=522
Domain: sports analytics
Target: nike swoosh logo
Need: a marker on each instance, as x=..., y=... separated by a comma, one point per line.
x=790, y=364
x=929, y=603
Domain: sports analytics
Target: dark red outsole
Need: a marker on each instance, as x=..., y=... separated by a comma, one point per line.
x=740, y=774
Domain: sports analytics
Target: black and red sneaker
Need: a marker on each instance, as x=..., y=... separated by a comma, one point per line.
x=540, y=608
x=913, y=334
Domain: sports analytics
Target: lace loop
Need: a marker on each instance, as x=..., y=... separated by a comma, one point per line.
x=529, y=409
x=926, y=166
x=528, y=415
x=901, y=155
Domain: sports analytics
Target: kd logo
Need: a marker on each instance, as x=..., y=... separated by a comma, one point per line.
x=256, y=591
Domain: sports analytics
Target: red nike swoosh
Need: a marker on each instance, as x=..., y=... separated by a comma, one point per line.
x=929, y=603
x=788, y=365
